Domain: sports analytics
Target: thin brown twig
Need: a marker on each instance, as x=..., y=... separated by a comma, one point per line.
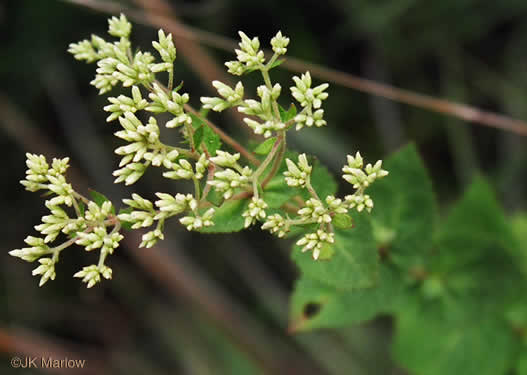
x=447, y=107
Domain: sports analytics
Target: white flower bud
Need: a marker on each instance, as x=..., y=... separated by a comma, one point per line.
x=279, y=43
x=315, y=241
x=297, y=175
x=255, y=211
x=119, y=27
x=46, y=269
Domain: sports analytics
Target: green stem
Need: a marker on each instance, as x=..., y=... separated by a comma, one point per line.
x=196, y=188
x=277, y=162
x=265, y=163
x=171, y=79
x=267, y=80
x=310, y=188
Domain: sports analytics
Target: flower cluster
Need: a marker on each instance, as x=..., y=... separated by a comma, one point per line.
x=256, y=211
x=198, y=160
x=230, y=97
x=297, y=175
x=315, y=241
x=249, y=56
x=86, y=224
x=361, y=177
x=265, y=117
x=311, y=100
x=232, y=177
x=322, y=212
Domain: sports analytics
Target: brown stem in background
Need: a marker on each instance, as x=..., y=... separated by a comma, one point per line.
x=447, y=107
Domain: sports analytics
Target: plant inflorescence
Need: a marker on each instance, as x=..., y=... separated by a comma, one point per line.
x=219, y=177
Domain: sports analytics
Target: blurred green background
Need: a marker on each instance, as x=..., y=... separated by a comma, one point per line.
x=218, y=304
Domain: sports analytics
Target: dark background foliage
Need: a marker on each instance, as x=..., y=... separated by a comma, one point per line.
x=218, y=304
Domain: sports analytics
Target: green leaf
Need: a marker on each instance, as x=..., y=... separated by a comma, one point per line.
x=466, y=340
x=322, y=181
x=326, y=252
x=276, y=63
x=214, y=197
x=354, y=264
x=521, y=367
x=99, y=199
x=228, y=218
x=342, y=221
x=336, y=308
x=265, y=147
x=204, y=134
x=211, y=140
x=82, y=208
x=477, y=253
x=198, y=137
x=405, y=211
x=285, y=116
x=519, y=228
x=475, y=224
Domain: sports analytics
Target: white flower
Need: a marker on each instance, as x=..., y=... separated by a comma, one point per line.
x=276, y=224
x=169, y=102
x=227, y=180
x=104, y=82
x=315, y=241
x=297, y=175
x=165, y=47
x=30, y=254
x=279, y=43
x=315, y=211
x=201, y=166
x=91, y=275
x=249, y=52
x=231, y=97
x=96, y=213
x=36, y=174
x=336, y=205
x=129, y=174
x=198, y=222
x=235, y=67
x=170, y=205
x=122, y=104
x=255, y=211
x=83, y=51
x=360, y=201
x=64, y=191
x=360, y=177
x=149, y=239
x=119, y=27
x=99, y=238
x=307, y=96
x=53, y=224
x=46, y=269
x=307, y=119
x=265, y=128
x=224, y=159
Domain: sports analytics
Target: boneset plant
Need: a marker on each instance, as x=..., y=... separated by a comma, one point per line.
x=200, y=160
x=455, y=287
